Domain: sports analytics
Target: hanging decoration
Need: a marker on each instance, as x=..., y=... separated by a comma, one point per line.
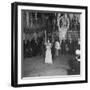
x=63, y=26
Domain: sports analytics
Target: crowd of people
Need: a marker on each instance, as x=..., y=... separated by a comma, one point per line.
x=38, y=47
x=33, y=47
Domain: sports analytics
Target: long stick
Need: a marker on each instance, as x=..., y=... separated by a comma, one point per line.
x=45, y=37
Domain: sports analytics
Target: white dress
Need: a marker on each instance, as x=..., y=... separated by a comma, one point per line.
x=48, y=55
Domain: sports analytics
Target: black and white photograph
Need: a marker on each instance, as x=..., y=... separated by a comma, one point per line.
x=51, y=44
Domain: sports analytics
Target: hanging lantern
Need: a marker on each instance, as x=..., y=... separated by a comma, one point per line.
x=27, y=19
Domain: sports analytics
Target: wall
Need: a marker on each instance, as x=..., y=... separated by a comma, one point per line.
x=5, y=46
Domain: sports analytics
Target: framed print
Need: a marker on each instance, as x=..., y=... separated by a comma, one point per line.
x=49, y=44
